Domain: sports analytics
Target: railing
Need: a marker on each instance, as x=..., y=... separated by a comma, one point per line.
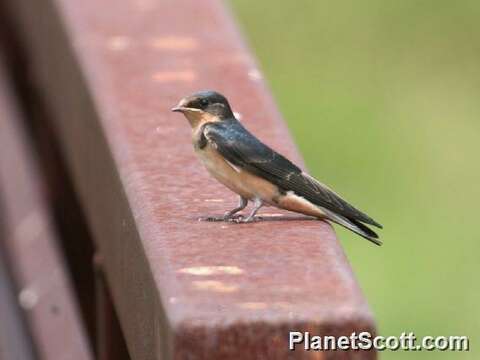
x=104, y=75
x=30, y=242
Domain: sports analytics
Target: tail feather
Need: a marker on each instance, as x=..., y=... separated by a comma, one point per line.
x=355, y=226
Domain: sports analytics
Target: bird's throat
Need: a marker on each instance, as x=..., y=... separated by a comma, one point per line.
x=198, y=119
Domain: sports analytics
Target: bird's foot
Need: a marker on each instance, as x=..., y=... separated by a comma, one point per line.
x=212, y=218
x=233, y=218
x=243, y=220
x=226, y=217
x=237, y=218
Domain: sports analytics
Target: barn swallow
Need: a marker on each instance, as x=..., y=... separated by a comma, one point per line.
x=246, y=166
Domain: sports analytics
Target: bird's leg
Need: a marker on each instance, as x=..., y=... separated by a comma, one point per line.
x=230, y=215
x=242, y=204
x=257, y=204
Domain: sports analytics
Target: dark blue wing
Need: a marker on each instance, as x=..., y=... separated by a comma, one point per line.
x=244, y=150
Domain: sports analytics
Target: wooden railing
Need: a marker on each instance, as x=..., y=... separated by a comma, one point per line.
x=39, y=283
x=104, y=75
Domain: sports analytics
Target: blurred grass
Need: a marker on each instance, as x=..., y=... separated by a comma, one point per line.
x=383, y=99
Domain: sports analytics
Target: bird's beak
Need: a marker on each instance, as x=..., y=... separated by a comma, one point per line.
x=179, y=109
x=184, y=109
x=182, y=106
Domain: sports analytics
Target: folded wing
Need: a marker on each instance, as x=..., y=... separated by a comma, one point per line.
x=244, y=150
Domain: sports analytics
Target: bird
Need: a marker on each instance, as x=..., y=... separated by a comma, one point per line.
x=257, y=173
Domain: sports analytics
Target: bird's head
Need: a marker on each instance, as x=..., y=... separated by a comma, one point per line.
x=204, y=106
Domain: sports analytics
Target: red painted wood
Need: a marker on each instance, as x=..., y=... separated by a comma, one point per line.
x=109, y=72
x=28, y=237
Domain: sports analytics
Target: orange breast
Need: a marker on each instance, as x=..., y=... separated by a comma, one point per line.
x=242, y=182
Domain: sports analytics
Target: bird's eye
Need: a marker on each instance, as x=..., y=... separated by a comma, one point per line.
x=204, y=102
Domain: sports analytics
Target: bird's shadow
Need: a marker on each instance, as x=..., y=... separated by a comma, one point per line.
x=259, y=219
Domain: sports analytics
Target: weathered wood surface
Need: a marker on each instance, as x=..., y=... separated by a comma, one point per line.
x=109, y=73
x=29, y=241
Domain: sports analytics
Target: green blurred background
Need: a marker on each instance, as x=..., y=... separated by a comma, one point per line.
x=383, y=99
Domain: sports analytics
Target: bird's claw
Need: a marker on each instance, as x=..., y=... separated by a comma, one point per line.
x=247, y=220
x=237, y=219
x=226, y=217
x=212, y=218
x=234, y=218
